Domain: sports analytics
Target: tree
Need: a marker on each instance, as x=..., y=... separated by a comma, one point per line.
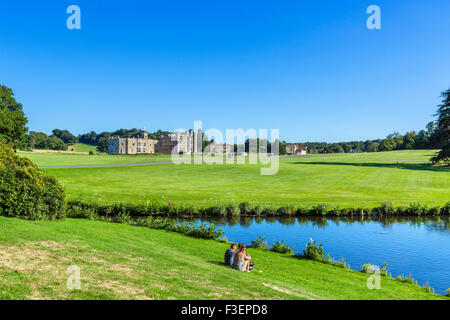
x=88, y=138
x=102, y=141
x=37, y=140
x=65, y=136
x=373, y=147
x=443, y=129
x=12, y=119
x=337, y=149
x=55, y=143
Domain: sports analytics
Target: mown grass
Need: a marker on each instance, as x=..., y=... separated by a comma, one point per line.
x=125, y=262
x=359, y=180
x=67, y=159
x=82, y=147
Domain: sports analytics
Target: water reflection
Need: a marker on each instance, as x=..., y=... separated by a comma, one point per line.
x=440, y=224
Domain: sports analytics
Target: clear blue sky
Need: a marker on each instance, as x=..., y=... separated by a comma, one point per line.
x=310, y=68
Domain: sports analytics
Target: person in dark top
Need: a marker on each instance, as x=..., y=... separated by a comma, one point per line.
x=229, y=255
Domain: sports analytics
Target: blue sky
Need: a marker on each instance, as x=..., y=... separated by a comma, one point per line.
x=309, y=68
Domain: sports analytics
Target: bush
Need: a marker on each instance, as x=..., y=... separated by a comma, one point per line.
x=384, y=269
x=233, y=210
x=203, y=231
x=218, y=211
x=260, y=243
x=314, y=251
x=280, y=247
x=417, y=209
x=319, y=210
x=270, y=212
x=91, y=153
x=25, y=191
x=245, y=208
x=123, y=217
x=286, y=211
x=406, y=279
x=258, y=210
x=370, y=268
x=386, y=208
x=445, y=210
x=447, y=292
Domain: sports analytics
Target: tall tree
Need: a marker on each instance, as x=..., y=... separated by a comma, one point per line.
x=443, y=129
x=12, y=119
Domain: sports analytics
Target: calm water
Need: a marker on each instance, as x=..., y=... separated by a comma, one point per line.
x=419, y=246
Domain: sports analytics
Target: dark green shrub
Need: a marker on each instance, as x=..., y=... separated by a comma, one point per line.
x=78, y=212
x=435, y=211
x=445, y=210
x=91, y=153
x=123, y=217
x=280, y=247
x=286, y=211
x=270, y=212
x=218, y=211
x=259, y=242
x=301, y=211
x=319, y=210
x=416, y=209
x=402, y=211
x=386, y=208
x=25, y=191
x=258, y=210
x=314, y=251
x=447, y=292
x=245, y=208
x=233, y=210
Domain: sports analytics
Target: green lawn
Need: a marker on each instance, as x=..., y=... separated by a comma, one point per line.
x=82, y=147
x=67, y=159
x=347, y=180
x=125, y=262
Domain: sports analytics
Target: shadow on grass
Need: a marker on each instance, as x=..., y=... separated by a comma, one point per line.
x=397, y=165
x=217, y=263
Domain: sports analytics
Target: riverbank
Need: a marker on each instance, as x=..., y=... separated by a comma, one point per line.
x=119, y=261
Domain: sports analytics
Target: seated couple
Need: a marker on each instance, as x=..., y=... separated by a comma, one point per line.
x=238, y=259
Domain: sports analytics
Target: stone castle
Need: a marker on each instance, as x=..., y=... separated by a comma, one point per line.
x=296, y=148
x=183, y=142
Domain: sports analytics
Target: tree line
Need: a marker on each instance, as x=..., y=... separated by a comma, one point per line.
x=14, y=131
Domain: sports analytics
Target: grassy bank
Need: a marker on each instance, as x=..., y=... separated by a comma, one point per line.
x=347, y=180
x=121, y=261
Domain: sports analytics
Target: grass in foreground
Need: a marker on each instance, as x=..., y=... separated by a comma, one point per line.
x=359, y=180
x=125, y=262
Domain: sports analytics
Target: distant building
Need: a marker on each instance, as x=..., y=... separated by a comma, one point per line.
x=214, y=149
x=140, y=144
x=183, y=142
x=296, y=148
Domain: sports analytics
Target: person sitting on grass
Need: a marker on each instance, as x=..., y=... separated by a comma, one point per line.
x=242, y=260
x=229, y=255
